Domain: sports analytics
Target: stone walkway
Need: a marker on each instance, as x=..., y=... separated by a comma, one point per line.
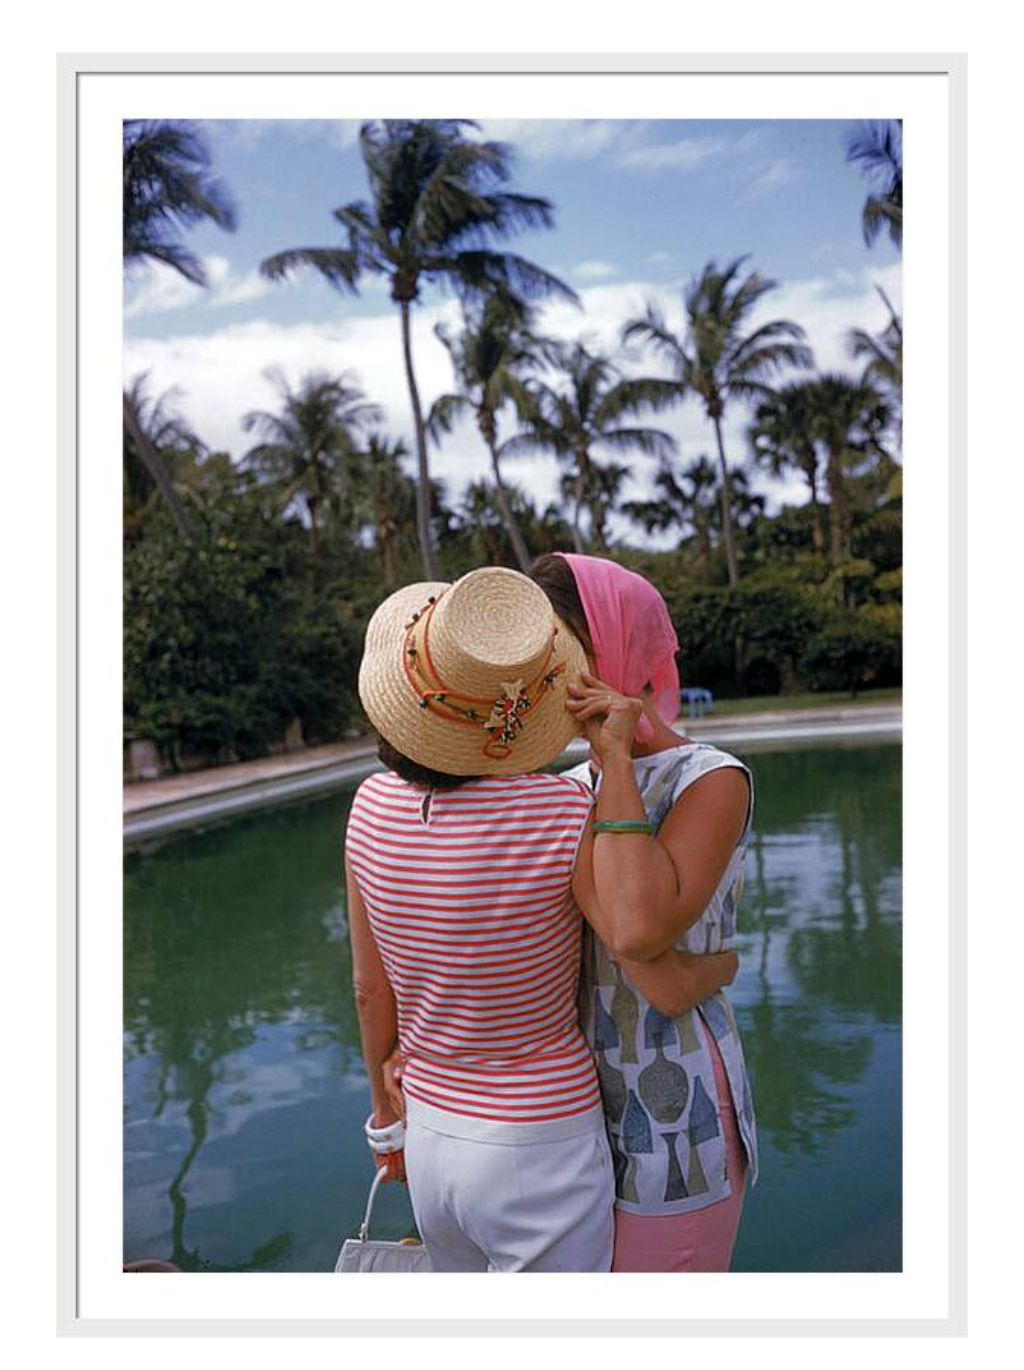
x=171, y=789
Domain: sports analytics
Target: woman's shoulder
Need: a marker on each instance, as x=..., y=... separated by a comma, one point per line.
x=381, y=788
x=708, y=757
x=381, y=782
x=665, y=776
x=562, y=785
x=580, y=774
x=690, y=760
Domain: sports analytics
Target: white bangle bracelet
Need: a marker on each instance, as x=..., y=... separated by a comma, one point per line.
x=384, y=1140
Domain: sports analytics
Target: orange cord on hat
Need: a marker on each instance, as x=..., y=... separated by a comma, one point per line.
x=504, y=721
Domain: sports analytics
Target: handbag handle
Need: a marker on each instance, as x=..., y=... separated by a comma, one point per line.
x=378, y=1180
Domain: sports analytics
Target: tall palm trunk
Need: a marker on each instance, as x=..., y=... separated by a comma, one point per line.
x=839, y=519
x=593, y=498
x=505, y=510
x=313, y=505
x=578, y=545
x=597, y=522
x=739, y=650
x=726, y=494
x=157, y=469
x=704, y=543
x=431, y=569
x=810, y=469
x=385, y=543
x=485, y=421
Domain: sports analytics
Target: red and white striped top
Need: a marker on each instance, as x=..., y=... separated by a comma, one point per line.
x=470, y=902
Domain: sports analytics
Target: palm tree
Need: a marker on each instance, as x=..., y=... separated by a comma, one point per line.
x=747, y=505
x=700, y=490
x=438, y=202
x=585, y=413
x=167, y=187
x=310, y=445
x=607, y=480
x=153, y=435
x=882, y=354
x=782, y=437
x=849, y=419
x=878, y=147
x=389, y=495
x=483, y=521
x=688, y=499
x=496, y=346
x=718, y=362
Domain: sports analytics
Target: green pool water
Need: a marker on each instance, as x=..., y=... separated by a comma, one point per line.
x=244, y=1091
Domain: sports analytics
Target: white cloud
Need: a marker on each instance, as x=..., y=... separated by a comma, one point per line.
x=251, y=286
x=595, y=271
x=559, y=139
x=685, y=154
x=158, y=289
x=252, y=133
x=782, y=172
x=221, y=373
x=628, y=143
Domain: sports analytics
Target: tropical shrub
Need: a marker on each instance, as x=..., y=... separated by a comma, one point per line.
x=223, y=647
x=851, y=651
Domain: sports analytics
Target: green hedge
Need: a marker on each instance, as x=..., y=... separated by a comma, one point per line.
x=229, y=638
x=786, y=636
x=223, y=647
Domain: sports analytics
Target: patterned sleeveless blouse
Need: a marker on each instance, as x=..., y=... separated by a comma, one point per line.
x=657, y=1079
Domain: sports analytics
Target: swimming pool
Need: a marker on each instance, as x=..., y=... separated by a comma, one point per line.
x=245, y=1095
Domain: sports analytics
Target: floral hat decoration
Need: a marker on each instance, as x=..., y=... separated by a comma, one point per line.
x=470, y=678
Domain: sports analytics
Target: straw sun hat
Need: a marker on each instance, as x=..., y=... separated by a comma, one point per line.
x=470, y=678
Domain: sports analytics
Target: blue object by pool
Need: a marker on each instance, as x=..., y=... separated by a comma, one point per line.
x=698, y=701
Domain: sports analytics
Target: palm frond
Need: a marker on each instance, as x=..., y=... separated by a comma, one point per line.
x=338, y=266
x=652, y=442
x=444, y=414
x=167, y=186
x=482, y=271
x=634, y=394
x=652, y=328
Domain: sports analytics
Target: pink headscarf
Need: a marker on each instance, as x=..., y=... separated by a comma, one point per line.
x=634, y=641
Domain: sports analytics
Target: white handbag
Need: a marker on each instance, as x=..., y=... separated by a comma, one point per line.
x=390, y=1258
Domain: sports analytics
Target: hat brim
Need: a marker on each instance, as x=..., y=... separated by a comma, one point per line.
x=438, y=742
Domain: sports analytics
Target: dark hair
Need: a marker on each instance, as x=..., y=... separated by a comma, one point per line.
x=414, y=772
x=554, y=576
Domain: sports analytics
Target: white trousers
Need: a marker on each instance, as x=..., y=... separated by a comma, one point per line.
x=483, y=1205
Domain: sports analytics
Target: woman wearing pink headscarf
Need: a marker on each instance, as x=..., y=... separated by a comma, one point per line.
x=666, y=843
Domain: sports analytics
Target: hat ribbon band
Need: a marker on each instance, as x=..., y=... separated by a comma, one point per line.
x=501, y=717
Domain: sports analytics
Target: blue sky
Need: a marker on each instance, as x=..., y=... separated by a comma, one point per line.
x=640, y=207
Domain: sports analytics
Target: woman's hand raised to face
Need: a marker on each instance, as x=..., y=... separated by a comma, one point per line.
x=608, y=718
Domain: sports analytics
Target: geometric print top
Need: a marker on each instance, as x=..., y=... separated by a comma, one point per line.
x=657, y=1079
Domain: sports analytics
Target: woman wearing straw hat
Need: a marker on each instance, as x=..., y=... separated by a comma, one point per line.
x=677, y=1096
x=465, y=934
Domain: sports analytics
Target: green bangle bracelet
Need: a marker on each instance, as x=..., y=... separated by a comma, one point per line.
x=624, y=825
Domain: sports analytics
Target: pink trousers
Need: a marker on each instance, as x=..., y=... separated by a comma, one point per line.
x=690, y=1241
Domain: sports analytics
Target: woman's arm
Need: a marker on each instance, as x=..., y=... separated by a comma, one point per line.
x=677, y=981
x=642, y=892
x=377, y=1012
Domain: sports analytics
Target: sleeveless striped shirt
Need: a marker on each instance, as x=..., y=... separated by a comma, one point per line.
x=470, y=902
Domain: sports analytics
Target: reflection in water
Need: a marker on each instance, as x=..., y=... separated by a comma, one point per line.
x=245, y=1092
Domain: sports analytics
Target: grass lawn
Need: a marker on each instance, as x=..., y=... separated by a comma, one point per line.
x=764, y=703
